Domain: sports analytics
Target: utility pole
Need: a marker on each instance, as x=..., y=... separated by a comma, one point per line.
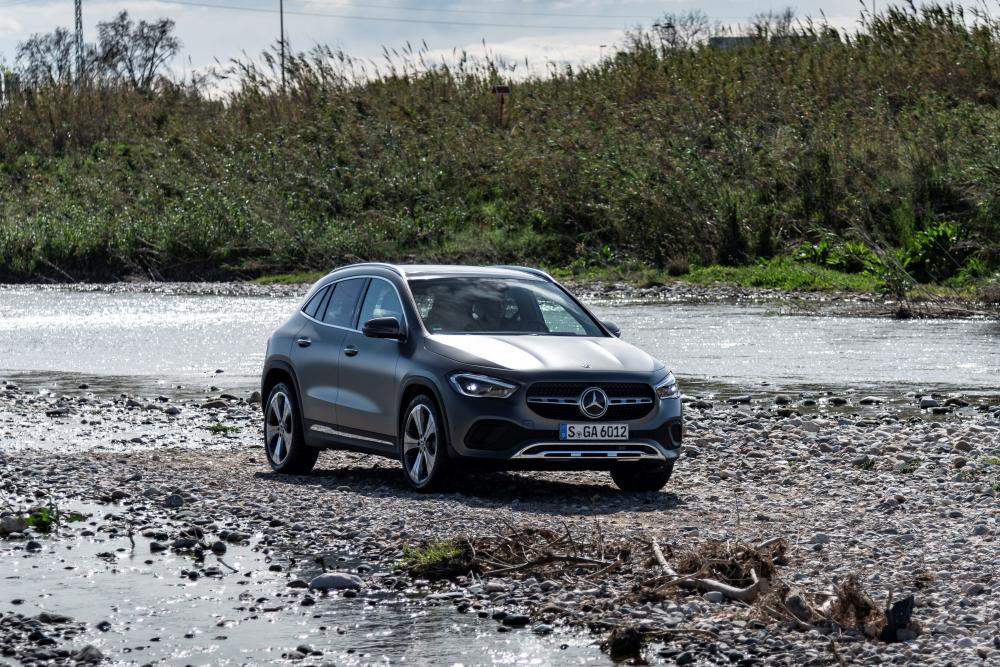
x=281, y=12
x=79, y=40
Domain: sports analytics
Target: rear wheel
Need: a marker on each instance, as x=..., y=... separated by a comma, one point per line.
x=284, y=444
x=424, y=446
x=642, y=476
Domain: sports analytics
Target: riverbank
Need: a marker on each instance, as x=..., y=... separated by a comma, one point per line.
x=908, y=506
x=605, y=290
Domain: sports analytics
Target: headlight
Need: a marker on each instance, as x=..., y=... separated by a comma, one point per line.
x=481, y=386
x=667, y=387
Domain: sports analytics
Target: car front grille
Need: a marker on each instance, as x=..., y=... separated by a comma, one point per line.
x=561, y=400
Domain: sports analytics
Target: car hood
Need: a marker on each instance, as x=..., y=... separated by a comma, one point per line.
x=532, y=353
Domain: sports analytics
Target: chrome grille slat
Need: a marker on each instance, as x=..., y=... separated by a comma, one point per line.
x=626, y=401
x=590, y=451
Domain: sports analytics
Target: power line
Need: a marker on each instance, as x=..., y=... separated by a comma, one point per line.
x=382, y=19
x=456, y=10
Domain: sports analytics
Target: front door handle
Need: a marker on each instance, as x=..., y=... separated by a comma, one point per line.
x=351, y=350
x=304, y=342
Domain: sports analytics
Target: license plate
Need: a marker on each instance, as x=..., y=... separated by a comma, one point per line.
x=593, y=431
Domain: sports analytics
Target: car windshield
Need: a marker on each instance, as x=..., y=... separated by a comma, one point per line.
x=507, y=306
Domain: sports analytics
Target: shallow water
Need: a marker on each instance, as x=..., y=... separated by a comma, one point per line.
x=157, y=615
x=156, y=343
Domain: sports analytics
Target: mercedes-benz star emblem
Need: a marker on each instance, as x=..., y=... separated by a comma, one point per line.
x=593, y=402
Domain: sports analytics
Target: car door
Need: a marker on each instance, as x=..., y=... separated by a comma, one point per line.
x=316, y=350
x=366, y=403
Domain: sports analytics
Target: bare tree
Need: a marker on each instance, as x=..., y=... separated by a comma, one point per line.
x=46, y=59
x=135, y=53
x=769, y=25
x=685, y=31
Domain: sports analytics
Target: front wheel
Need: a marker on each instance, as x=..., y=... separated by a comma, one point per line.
x=424, y=445
x=633, y=477
x=284, y=443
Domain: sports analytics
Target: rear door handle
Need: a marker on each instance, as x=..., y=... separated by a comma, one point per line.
x=304, y=342
x=351, y=350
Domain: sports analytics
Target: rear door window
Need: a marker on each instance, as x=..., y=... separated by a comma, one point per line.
x=343, y=302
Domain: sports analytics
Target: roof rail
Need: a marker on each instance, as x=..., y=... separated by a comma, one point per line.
x=526, y=269
x=382, y=265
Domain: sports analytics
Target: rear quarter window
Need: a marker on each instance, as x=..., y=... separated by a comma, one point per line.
x=312, y=307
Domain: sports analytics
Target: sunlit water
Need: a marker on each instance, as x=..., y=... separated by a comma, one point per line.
x=152, y=343
x=246, y=617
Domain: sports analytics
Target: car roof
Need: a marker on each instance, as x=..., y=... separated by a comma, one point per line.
x=441, y=270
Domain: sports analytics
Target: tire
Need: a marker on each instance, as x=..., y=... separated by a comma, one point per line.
x=423, y=450
x=284, y=442
x=637, y=477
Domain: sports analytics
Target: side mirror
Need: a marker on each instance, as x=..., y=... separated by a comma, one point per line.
x=384, y=327
x=613, y=328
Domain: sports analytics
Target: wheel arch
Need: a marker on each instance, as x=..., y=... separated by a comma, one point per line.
x=411, y=388
x=276, y=373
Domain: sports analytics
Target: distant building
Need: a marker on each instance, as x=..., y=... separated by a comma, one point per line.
x=730, y=42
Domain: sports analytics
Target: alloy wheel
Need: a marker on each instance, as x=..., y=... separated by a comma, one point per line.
x=420, y=444
x=279, y=427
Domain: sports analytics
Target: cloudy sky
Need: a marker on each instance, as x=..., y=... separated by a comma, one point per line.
x=539, y=30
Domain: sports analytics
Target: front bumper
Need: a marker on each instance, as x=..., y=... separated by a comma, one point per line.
x=507, y=434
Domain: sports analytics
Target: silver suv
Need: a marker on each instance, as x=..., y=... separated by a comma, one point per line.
x=446, y=367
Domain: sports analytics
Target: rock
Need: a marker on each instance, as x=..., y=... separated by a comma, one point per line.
x=871, y=400
x=254, y=398
x=837, y=400
x=215, y=404
x=744, y=398
x=715, y=596
x=336, y=581
x=50, y=618
x=516, y=620
x=820, y=538
x=156, y=547
x=959, y=461
x=542, y=629
x=809, y=427
x=89, y=654
x=782, y=400
x=973, y=589
x=172, y=410
x=184, y=544
x=32, y=545
x=494, y=587
x=13, y=524
x=218, y=547
x=236, y=537
x=297, y=583
x=926, y=403
x=174, y=500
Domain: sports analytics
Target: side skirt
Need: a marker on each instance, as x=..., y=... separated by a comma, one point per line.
x=324, y=436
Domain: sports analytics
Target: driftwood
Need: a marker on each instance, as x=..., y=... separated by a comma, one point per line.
x=746, y=595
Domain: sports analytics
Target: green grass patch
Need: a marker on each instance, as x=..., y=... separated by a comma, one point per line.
x=784, y=274
x=290, y=278
x=223, y=429
x=439, y=559
x=912, y=466
x=44, y=519
x=867, y=464
x=990, y=460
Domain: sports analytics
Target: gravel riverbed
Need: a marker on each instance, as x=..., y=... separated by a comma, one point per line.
x=907, y=504
x=611, y=292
